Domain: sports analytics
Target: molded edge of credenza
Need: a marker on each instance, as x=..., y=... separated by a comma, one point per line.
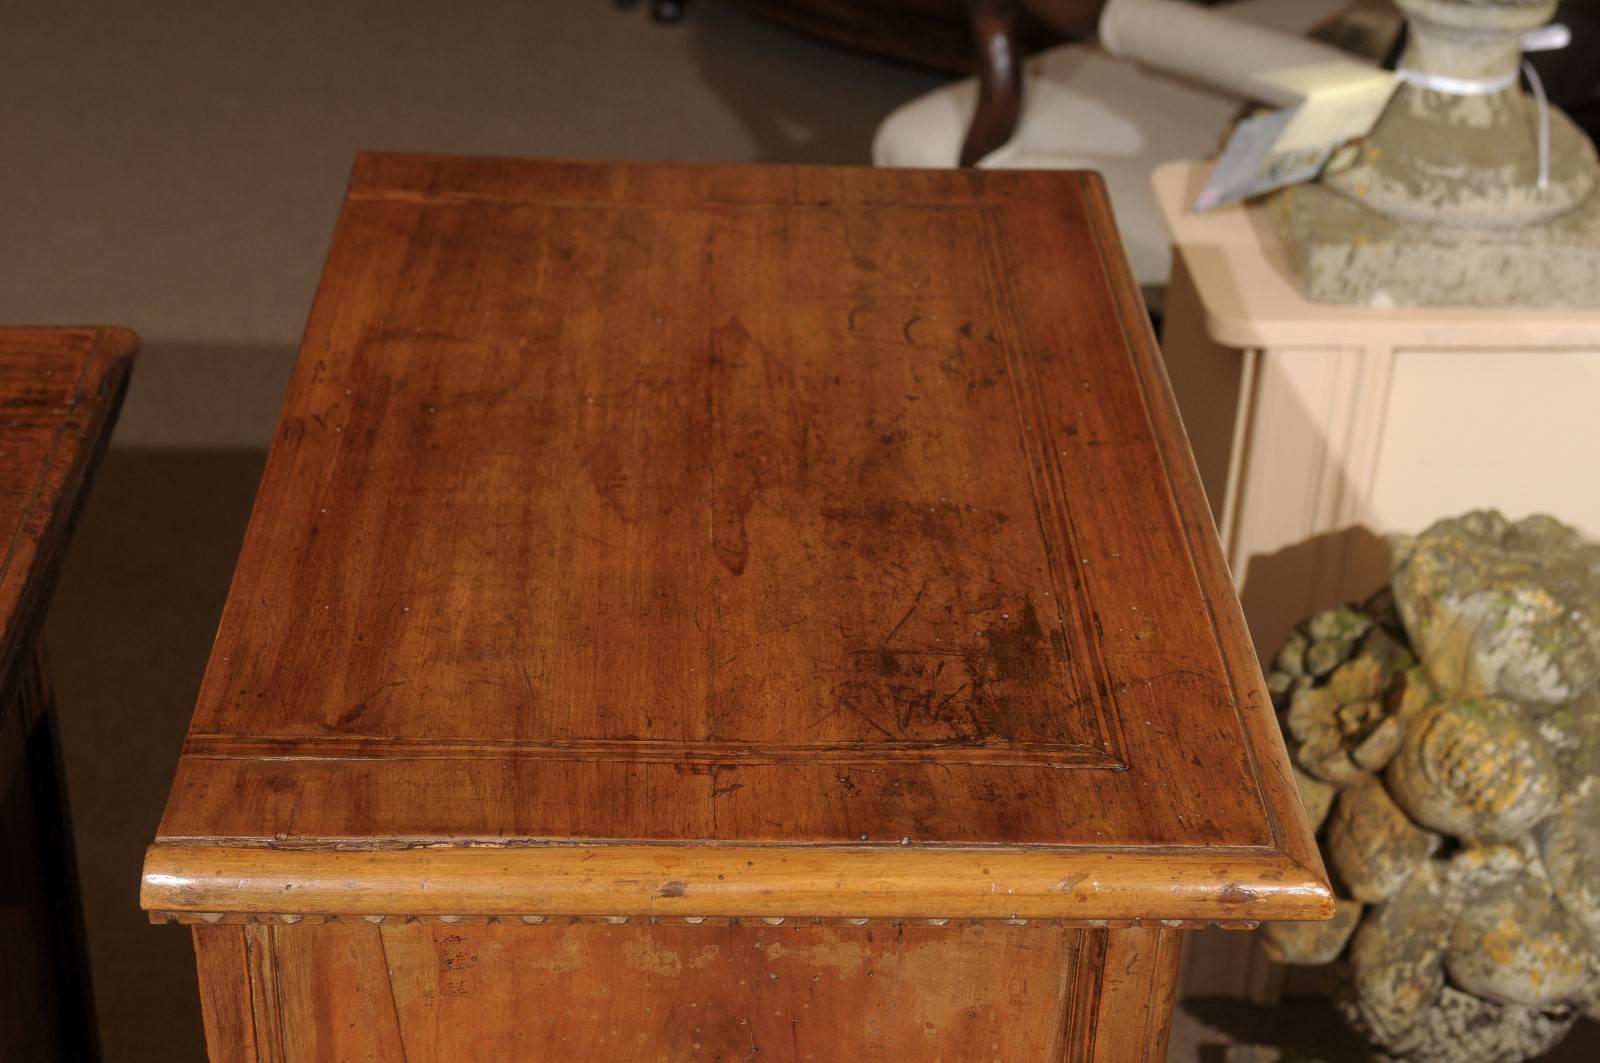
x=203, y=882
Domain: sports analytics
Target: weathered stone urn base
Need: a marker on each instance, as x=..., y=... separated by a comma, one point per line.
x=1342, y=252
x=1455, y=197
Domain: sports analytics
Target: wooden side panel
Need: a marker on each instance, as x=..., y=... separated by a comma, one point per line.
x=642, y=992
x=46, y=999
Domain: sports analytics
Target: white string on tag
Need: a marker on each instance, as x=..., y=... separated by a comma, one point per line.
x=1544, y=123
x=1544, y=39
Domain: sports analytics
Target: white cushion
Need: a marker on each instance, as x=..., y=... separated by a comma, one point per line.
x=1085, y=109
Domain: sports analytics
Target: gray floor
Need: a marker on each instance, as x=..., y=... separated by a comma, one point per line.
x=176, y=167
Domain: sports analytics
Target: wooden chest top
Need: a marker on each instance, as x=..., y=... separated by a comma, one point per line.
x=59, y=392
x=731, y=540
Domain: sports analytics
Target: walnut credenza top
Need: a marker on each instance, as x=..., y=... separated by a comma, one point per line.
x=730, y=542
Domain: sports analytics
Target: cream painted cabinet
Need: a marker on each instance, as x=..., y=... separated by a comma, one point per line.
x=1321, y=428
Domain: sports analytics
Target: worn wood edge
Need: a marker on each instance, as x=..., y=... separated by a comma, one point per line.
x=731, y=882
x=1269, y=758
x=200, y=920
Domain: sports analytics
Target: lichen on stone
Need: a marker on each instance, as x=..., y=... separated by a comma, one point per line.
x=1446, y=742
x=1334, y=679
x=1503, y=610
x=1474, y=770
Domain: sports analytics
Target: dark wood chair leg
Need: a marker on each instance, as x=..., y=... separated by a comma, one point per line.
x=999, y=70
x=660, y=10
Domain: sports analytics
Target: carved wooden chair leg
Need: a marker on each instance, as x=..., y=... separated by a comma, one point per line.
x=999, y=69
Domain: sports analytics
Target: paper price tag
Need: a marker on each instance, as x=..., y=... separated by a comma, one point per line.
x=1249, y=166
x=1342, y=102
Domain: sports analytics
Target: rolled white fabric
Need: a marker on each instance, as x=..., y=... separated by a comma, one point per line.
x=1214, y=50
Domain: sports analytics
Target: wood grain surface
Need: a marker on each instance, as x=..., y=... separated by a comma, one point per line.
x=59, y=393
x=623, y=518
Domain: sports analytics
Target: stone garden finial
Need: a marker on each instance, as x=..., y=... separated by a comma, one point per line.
x=1456, y=196
x=1447, y=744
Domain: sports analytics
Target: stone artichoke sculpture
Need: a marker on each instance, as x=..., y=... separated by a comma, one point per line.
x=1446, y=738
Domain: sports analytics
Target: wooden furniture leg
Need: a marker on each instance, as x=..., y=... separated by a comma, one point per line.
x=998, y=63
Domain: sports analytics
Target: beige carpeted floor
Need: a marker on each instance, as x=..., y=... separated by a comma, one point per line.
x=176, y=167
